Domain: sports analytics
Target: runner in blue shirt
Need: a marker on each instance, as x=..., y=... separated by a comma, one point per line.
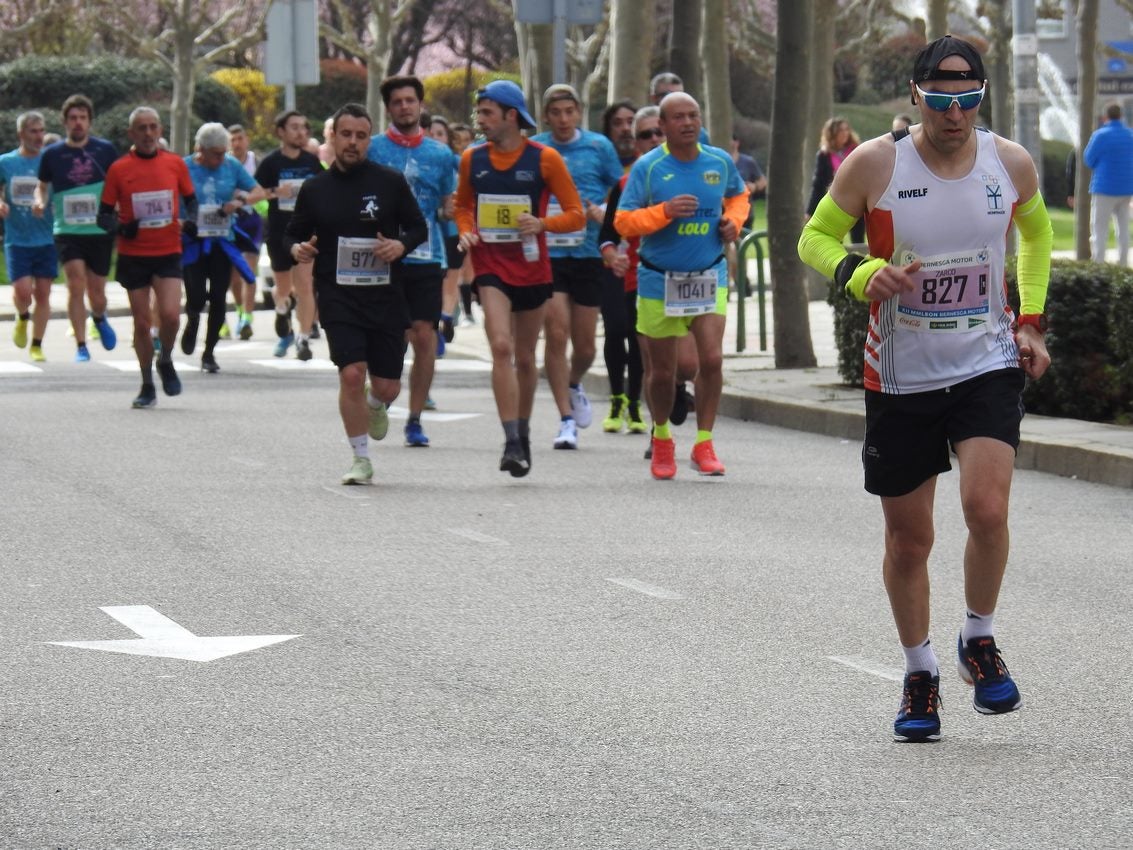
x=687, y=201
x=427, y=165
x=28, y=247
x=575, y=260
x=222, y=186
x=71, y=177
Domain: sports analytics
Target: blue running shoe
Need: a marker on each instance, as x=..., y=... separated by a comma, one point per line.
x=170, y=383
x=283, y=344
x=105, y=332
x=82, y=355
x=415, y=435
x=918, y=719
x=981, y=665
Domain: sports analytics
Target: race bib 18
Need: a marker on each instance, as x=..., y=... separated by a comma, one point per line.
x=497, y=216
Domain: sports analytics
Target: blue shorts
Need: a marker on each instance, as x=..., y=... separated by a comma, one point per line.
x=36, y=261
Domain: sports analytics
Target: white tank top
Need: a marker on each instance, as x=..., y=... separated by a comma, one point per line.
x=957, y=323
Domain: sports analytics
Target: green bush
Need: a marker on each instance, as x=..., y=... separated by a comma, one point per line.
x=1089, y=308
x=340, y=81
x=115, y=84
x=445, y=93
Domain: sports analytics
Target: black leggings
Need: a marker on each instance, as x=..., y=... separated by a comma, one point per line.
x=207, y=280
x=621, y=350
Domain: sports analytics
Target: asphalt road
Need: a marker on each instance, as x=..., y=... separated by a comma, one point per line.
x=584, y=658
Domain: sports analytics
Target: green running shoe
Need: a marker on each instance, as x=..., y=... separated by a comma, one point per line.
x=361, y=472
x=379, y=418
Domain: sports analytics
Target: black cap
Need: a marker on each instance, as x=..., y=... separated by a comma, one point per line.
x=925, y=66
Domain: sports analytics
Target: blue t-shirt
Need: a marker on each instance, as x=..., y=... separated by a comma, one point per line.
x=214, y=188
x=593, y=163
x=76, y=176
x=685, y=244
x=20, y=176
x=428, y=168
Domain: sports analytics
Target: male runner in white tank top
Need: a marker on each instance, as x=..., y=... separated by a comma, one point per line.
x=945, y=357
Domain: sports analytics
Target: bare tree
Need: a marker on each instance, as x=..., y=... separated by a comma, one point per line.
x=790, y=306
x=717, y=92
x=193, y=37
x=1087, y=108
x=821, y=78
x=937, y=22
x=632, y=40
x=536, y=57
x=588, y=62
x=998, y=33
x=686, y=43
x=366, y=30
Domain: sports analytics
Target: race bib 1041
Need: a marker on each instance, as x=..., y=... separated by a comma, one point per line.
x=690, y=293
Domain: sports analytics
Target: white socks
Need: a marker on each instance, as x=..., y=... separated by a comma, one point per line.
x=976, y=625
x=360, y=445
x=921, y=657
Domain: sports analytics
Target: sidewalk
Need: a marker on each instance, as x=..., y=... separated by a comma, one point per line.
x=813, y=400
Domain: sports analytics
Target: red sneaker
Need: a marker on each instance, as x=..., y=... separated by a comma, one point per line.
x=704, y=459
x=664, y=462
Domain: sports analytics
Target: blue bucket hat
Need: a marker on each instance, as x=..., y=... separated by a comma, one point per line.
x=510, y=96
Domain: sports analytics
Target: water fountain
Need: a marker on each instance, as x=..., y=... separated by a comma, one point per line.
x=1059, y=117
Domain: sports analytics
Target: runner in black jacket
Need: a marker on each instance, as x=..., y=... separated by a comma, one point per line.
x=356, y=221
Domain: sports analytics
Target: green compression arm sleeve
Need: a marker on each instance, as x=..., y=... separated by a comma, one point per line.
x=820, y=246
x=1036, y=238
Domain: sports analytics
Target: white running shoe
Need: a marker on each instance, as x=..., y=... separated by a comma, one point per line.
x=580, y=407
x=361, y=472
x=568, y=435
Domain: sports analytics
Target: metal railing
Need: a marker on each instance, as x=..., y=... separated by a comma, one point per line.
x=748, y=238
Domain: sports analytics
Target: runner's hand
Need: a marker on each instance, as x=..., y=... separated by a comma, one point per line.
x=304, y=252
x=728, y=231
x=389, y=250
x=682, y=206
x=891, y=280
x=529, y=225
x=1033, y=356
x=466, y=240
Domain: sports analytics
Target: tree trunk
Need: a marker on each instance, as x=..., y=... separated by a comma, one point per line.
x=184, y=84
x=999, y=68
x=632, y=39
x=717, y=78
x=821, y=81
x=686, y=40
x=937, y=23
x=377, y=61
x=536, y=56
x=790, y=306
x=1087, y=110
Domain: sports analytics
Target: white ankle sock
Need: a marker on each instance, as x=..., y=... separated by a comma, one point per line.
x=360, y=445
x=921, y=657
x=373, y=401
x=977, y=625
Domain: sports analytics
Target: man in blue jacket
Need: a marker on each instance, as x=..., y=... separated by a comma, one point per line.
x=1109, y=154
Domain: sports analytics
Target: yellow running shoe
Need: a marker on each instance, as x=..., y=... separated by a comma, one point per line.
x=37, y=354
x=20, y=333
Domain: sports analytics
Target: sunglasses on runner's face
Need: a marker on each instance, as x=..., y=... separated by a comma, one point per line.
x=656, y=132
x=942, y=102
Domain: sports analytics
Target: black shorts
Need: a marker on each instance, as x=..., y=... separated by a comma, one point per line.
x=249, y=231
x=139, y=272
x=581, y=278
x=281, y=259
x=908, y=437
x=422, y=286
x=522, y=298
x=95, y=251
x=382, y=348
x=453, y=254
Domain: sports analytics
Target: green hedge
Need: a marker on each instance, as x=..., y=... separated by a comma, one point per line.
x=115, y=84
x=1089, y=308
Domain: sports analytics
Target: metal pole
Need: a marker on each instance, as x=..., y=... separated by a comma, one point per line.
x=1025, y=49
x=558, y=70
x=289, y=86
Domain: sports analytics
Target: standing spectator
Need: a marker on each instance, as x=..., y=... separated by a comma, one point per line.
x=838, y=139
x=1109, y=154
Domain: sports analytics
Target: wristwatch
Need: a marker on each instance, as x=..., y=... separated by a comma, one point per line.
x=1035, y=320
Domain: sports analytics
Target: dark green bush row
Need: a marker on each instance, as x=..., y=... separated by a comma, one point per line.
x=115, y=84
x=1089, y=308
x=1055, y=188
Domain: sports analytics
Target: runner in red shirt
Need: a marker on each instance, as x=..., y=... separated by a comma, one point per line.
x=140, y=202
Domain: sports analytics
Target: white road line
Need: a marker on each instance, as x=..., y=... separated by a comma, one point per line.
x=291, y=364
x=867, y=666
x=476, y=536
x=347, y=493
x=643, y=587
x=432, y=415
x=12, y=367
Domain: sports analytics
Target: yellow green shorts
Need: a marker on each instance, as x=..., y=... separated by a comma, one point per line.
x=652, y=321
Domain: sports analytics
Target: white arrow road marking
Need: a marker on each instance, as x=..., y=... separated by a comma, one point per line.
x=867, y=666
x=161, y=637
x=11, y=367
x=646, y=588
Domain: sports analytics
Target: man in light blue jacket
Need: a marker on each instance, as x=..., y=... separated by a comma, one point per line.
x=1109, y=154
